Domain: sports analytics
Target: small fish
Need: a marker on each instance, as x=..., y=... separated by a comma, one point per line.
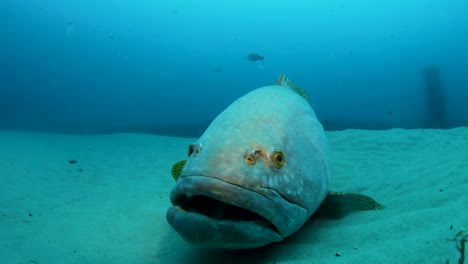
x=389, y=113
x=254, y=57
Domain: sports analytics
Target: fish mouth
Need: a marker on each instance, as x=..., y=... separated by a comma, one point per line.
x=212, y=212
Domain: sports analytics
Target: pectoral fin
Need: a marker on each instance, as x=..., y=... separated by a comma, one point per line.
x=337, y=205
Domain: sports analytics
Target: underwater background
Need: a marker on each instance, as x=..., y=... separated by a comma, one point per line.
x=170, y=67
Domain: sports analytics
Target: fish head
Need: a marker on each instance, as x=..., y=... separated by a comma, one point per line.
x=253, y=178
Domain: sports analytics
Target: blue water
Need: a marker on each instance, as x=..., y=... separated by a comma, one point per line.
x=149, y=66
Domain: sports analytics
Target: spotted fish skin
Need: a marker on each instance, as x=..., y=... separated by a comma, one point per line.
x=259, y=124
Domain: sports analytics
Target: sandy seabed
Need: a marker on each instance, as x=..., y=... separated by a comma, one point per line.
x=109, y=207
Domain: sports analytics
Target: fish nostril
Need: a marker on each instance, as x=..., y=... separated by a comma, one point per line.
x=258, y=154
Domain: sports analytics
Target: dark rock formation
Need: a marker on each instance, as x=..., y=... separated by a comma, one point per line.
x=435, y=97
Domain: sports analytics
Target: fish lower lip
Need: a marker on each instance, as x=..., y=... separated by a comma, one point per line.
x=199, y=229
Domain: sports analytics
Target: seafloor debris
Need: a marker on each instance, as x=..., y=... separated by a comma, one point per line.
x=460, y=243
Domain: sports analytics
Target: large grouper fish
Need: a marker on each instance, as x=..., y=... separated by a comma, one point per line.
x=258, y=172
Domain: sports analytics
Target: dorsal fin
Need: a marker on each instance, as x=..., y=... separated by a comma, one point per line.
x=284, y=81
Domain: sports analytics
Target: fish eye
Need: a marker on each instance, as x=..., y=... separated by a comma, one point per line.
x=190, y=150
x=250, y=159
x=278, y=158
x=194, y=149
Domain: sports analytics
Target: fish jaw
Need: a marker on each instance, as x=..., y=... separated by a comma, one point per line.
x=211, y=212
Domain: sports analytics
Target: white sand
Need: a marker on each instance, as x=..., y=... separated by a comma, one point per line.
x=114, y=210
